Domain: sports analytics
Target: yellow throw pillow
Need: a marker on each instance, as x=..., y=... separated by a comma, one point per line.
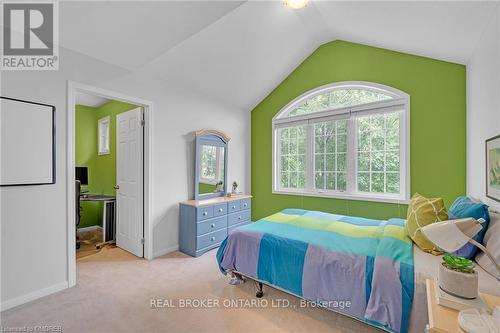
x=421, y=212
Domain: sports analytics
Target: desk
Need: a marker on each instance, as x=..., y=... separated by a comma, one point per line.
x=108, y=215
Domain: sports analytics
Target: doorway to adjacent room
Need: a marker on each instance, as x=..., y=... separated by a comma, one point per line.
x=109, y=173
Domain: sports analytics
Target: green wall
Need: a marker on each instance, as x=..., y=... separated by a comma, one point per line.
x=437, y=120
x=102, y=168
x=85, y=155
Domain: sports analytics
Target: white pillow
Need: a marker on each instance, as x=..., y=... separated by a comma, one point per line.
x=492, y=243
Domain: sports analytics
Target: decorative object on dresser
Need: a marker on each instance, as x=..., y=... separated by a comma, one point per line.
x=207, y=220
x=493, y=168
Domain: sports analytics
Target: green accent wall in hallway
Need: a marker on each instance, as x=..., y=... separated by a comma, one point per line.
x=437, y=120
x=101, y=168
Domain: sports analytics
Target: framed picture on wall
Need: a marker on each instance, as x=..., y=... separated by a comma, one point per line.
x=27, y=140
x=493, y=168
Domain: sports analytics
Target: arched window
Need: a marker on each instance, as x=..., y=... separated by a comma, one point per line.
x=346, y=140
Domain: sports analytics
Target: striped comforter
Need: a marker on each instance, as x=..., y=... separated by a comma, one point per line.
x=330, y=259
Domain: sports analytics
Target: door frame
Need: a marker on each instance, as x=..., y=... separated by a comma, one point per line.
x=72, y=88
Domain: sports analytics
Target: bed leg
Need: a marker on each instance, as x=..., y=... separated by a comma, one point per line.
x=236, y=279
x=259, y=292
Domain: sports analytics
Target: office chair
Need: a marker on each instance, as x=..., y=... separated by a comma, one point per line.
x=77, y=212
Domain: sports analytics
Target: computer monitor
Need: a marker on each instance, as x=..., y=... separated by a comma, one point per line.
x=82, y=174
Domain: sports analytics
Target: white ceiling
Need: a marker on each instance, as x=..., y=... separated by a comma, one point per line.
x=237, y=52
x=90, y=100
x=130, y=34
x=442, y=30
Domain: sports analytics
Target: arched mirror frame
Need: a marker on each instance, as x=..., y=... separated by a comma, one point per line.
x=213, y=137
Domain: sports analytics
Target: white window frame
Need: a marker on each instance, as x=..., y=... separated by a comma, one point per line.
x=400, y=101
x=103, y=139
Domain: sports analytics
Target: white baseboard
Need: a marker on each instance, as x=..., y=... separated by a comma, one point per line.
x=162, y=252
x=91, y=228
x=8, y=304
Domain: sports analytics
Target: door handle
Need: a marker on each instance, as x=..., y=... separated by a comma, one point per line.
x=116, y=187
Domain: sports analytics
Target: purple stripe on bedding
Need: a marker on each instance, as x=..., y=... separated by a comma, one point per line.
x=385, y=302
x=242, y=252
x=330, y=276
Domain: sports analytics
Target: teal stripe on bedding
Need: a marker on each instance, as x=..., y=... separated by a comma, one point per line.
x=407, y=278
x=369, y=276
x=282, y=268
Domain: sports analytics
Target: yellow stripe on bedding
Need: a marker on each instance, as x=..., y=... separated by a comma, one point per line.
x=398, y=232
x=343, y=228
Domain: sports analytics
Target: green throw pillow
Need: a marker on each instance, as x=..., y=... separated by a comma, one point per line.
x=421, y=212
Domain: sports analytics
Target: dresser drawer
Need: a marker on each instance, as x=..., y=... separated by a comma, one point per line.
x=233, y=206
x=220, y=210
x=211, y=239
x=233, y=227
x=203, y=213
x=211, y=225
x=238, y=217
x=245, y=204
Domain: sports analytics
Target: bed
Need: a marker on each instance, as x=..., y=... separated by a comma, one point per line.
x=330, y=259
x=240, y=254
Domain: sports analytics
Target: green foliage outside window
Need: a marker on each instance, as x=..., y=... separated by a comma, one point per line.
x=338, y=99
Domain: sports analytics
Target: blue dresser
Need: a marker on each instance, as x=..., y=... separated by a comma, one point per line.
x=204, y=224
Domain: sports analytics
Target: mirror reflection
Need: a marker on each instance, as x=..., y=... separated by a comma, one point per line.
x=211, y=179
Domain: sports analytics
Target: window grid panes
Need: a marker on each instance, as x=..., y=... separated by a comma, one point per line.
x=345, y=141
x=378, y=153
x=330, y=155
x=293, y=157
x=338, y=99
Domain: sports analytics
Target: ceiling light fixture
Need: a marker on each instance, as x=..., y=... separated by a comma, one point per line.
x=295, y=4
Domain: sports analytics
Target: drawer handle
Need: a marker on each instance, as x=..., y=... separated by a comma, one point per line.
x=221, y=210
x=234, y=207
x=213, y=225
x=212, y=238
x=245, y=204
x=239, y=217
x=205, y=213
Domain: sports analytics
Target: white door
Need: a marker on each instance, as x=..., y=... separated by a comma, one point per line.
x=129, y=171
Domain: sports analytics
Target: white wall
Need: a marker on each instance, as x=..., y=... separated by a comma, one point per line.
x=33, y=218
x=483, y=109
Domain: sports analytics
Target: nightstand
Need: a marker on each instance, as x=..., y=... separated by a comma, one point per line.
x=443, y=319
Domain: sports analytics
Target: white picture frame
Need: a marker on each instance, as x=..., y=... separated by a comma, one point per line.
x=493, y=168
x=27, y=143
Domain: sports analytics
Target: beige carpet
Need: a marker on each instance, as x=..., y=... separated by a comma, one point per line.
x=114, y=291
x=88, y=241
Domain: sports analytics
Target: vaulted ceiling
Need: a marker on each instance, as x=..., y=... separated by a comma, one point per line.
x=237, y=52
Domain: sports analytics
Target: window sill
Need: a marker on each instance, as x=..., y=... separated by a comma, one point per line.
x=338, y=195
